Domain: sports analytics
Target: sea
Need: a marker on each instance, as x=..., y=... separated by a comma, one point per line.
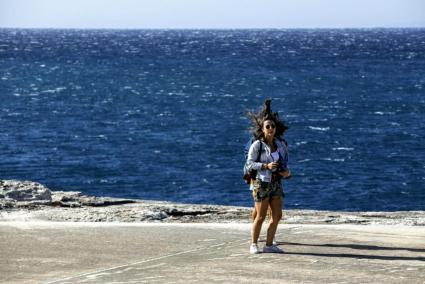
x=162, y=114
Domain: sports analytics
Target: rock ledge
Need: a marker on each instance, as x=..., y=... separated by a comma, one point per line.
x=26, y=201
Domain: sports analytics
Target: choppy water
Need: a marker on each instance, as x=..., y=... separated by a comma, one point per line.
x=161, y=114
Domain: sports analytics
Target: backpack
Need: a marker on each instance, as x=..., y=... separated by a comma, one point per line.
x=251, y=174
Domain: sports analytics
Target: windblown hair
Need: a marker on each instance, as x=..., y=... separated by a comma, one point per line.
x=264, y=114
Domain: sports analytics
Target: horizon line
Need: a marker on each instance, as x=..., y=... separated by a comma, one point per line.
x=211, y=28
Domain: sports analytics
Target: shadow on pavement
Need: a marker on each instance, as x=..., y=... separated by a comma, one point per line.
x=358, y=256
x=353, y=246
x=352, y=255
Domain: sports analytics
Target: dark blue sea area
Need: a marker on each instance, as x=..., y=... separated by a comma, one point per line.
x=161, y=114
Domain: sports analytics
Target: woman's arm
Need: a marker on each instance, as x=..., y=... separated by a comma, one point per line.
x=253, y=155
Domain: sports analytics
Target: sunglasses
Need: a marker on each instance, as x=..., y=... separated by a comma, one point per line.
x=272, y=126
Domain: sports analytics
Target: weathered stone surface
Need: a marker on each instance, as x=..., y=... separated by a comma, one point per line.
x=76, y=207
x=66, y=196
x=24, y=191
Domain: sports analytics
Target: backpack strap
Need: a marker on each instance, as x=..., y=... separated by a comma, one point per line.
x=259, y=151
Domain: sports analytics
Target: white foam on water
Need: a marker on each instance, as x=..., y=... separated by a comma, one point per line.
x=317, y=119
x=319, y=128
x=383, y=113
x=52, y=91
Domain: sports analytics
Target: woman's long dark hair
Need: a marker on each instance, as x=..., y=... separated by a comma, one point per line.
x=264, y=114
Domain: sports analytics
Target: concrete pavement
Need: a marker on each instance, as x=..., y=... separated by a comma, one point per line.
x=68, y=252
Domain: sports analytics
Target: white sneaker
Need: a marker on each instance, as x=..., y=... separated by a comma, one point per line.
x=254, y=249
x=272, y=249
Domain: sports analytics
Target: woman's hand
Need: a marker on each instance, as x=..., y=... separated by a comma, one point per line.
x=272, y=166
x=286, y=173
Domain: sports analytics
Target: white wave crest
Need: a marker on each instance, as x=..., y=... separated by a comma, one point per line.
x=319, y=128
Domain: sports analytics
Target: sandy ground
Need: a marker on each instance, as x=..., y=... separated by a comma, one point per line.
x=117, y=252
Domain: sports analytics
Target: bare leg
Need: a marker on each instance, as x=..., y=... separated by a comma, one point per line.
x=254, y=213
x=276, y=208
x=261, y=208
x=269, y=213
x=254, y=210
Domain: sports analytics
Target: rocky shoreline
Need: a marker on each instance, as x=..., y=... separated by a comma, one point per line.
x=30, y=201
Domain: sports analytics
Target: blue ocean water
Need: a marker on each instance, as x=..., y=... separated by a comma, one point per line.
x=161, y=114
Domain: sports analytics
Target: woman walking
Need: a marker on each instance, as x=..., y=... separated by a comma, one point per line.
x=268, y=156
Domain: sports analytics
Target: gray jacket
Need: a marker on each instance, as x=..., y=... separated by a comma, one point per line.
x=252, y=164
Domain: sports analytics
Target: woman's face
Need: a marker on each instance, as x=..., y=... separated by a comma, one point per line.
x=269, y=128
